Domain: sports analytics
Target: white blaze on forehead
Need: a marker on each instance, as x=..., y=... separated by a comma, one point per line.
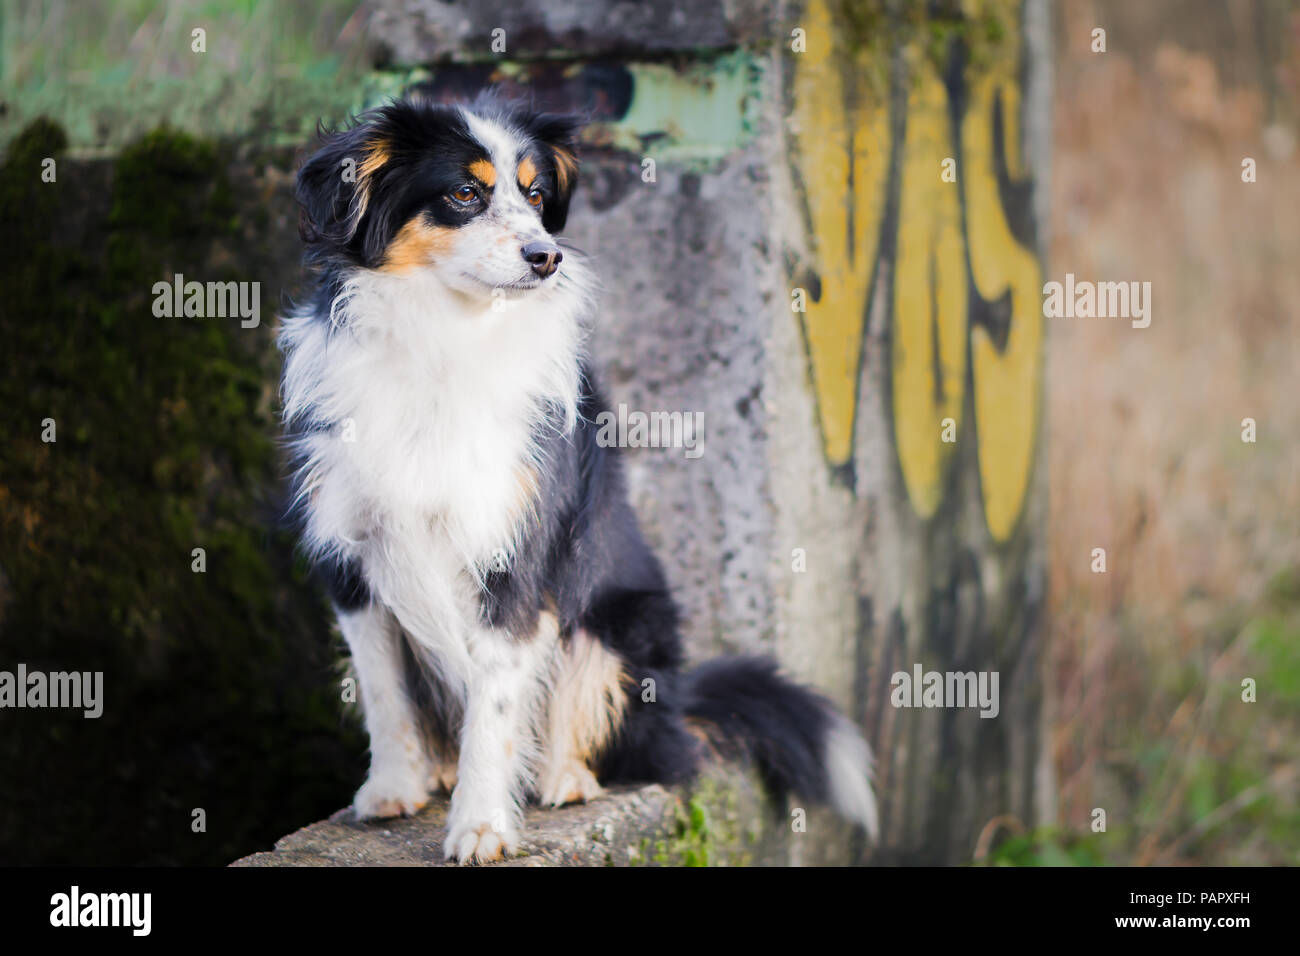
x=504, y=148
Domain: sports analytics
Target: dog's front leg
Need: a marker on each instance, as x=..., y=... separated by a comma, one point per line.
x=498, y=741
x=399, y=771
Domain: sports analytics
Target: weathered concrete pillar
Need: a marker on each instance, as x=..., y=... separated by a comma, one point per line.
x=822, y=225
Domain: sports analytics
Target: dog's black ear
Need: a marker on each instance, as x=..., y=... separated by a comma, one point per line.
x=333, y=186
x=558, y=136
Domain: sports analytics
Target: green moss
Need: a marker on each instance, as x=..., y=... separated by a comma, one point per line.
x=706, y=829
x=171, y=185
x=219, y=686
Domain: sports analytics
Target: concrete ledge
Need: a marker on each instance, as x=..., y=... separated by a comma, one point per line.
x=593, y=834
x=723, y=820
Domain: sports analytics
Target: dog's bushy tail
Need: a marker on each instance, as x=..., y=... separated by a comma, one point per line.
x=795, y=738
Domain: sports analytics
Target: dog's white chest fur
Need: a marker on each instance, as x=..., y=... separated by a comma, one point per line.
x=432, y=405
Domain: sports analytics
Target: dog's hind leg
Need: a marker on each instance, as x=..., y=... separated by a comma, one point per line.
x=442, y=772
x=587, y=698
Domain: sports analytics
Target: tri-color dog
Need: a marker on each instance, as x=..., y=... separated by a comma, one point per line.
x=512, y=633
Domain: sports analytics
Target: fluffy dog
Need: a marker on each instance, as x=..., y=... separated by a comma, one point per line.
x=512, y=633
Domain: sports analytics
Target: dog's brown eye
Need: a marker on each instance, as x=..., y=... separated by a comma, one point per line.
x=534, y=197
x=464, y=194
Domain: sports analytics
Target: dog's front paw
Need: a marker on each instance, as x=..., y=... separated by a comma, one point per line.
x=390, y=795
x=480, y=841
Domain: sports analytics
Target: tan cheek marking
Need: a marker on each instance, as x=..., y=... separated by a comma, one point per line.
x=566, y=164
x=484, y=172
x=527, y=173
x=418, y=244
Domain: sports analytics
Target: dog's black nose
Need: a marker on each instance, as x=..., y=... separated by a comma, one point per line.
x=545, y=257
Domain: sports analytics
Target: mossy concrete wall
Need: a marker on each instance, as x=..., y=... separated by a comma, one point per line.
x=129, y=442
x=820, y=224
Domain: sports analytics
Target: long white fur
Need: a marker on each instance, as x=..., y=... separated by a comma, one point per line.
x=848, y=769
x=433, y=384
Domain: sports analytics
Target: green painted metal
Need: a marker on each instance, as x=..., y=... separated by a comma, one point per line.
x=692, y=112
x=702, y=112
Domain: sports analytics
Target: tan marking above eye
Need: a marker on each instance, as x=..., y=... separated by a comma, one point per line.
x=527, y=172
x=484, y=172
x=566, y=165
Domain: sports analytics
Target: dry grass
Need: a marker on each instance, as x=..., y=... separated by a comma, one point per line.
x=1147, y=460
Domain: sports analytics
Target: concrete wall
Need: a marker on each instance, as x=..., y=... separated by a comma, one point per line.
x=799, y=270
